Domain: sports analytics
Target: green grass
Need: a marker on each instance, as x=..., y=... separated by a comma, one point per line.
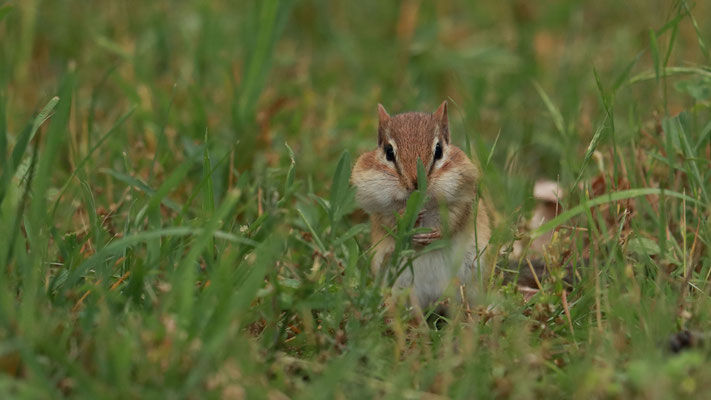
x=177, y=221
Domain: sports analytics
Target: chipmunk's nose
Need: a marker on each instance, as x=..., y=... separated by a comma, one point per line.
x=414, y=184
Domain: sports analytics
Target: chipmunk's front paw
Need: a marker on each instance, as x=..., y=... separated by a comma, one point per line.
x=420, y=218
x=423, y=239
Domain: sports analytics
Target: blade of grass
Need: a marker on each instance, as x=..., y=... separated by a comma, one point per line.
x=590, y=150
x=270, y=23
x=670, y=24
x=654, y=49
x=118, y=246
x=170, y=184
x=402, y=256
x=491, y=152
x=267, y=22
x=607, y=198
x=88, y=155
x=682, y=133
x=161, y=134
x=705, y=133
x=608, y=101
x=21, y=145
x=675, y=28
x=184, y=278
x=622, y=78
x=27, y=137
x=668, y=71
x=3, y=131
x=289, y=183
x=315, y=235
x=699, y=36
x=340, y=187
x=37, y=218
x=198, y=189
x=100, y=86
x=552, y=109
x=139, y=184
x=17, y=217
x=267, y=254
x=208, y=193
x=467, y=140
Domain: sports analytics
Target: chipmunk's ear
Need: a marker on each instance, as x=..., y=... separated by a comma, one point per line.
x=441, y=118
x=383, y=118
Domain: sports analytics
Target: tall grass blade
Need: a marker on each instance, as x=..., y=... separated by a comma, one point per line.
x=184, y=279
x=139, y=184
x=23, y=141
x=271, y=18
x=88, y=155
x=340, y=188
x=669, y=71
x=208, y=192
x=552, y=109
x=624, y=75
x=27, y=135
x=607, y=198
x=109, y=253
x=590, y=150
x=36, y=220
x=699, y=35
x=654, y=49
x=679, y=131
x=3, y=131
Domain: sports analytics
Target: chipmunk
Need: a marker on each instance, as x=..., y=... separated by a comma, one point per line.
x=385, y=177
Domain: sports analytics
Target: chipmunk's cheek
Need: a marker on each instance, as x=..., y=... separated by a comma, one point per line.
x=444, y=187
x=378, y=192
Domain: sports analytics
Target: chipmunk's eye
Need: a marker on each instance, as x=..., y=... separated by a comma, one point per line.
x=389, y=153
x=438, y=152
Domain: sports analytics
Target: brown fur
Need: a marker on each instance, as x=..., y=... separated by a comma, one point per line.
x=409, y=133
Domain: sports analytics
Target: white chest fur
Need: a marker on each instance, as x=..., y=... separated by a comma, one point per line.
x=437, y=273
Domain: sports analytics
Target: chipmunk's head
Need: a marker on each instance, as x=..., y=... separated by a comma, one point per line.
x=386, y=176
x=405, y=138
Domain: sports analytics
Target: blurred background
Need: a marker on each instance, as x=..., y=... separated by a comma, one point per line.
x=252, y=76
